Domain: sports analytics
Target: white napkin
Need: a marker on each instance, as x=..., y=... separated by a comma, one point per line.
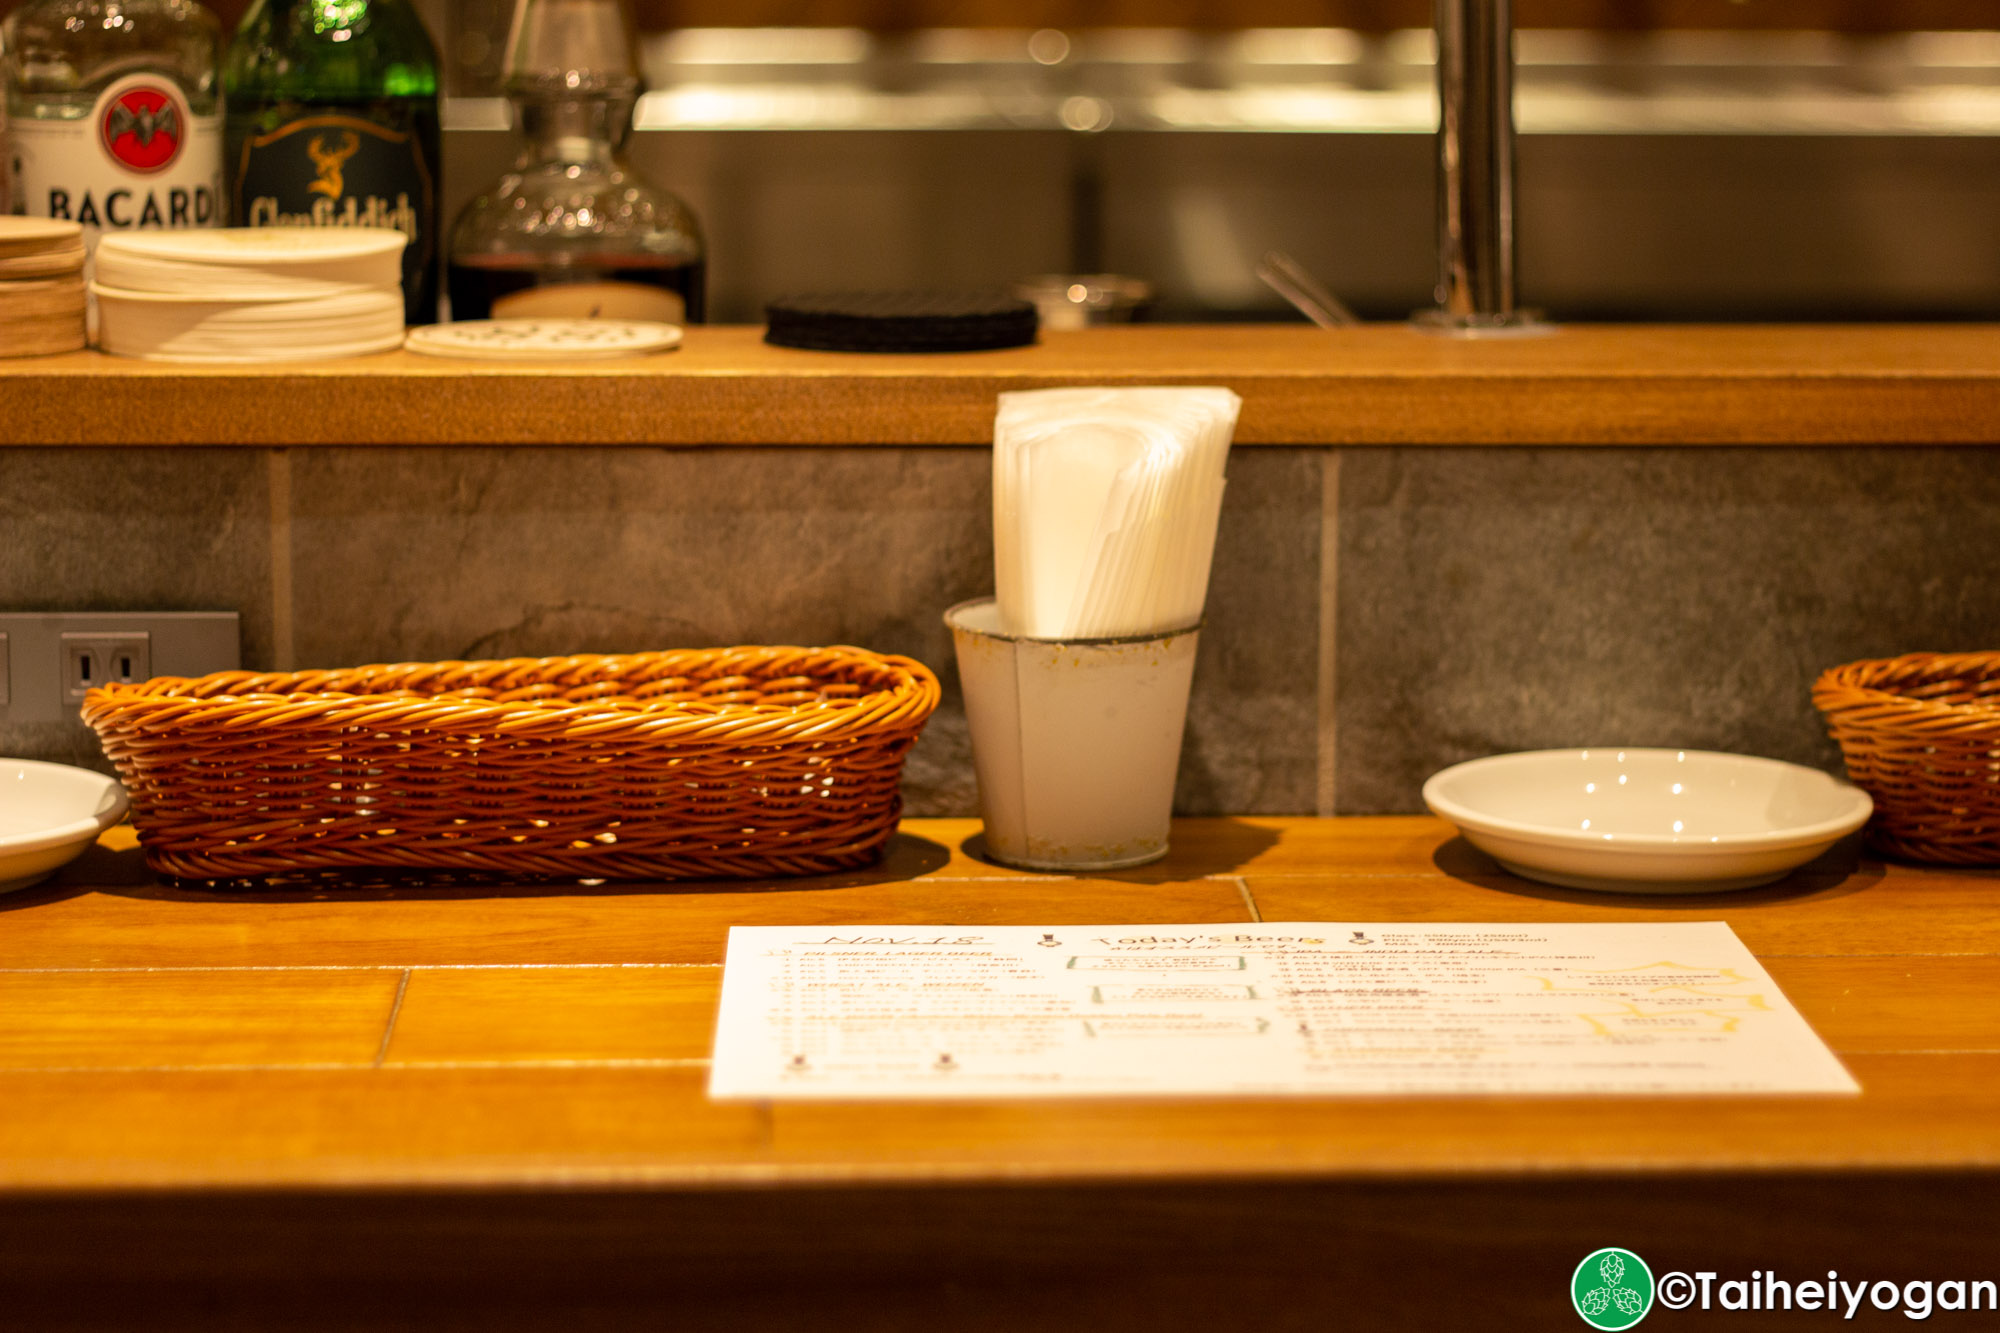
x=1105, y=504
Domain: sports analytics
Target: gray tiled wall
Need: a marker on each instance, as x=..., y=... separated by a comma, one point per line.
x=1509, y=599
x=132, y=530
x=422, y=554
x=1483, y=599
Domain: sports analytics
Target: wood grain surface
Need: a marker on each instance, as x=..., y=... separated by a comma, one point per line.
x=391, y=1106
x=511, y=1034
x=1378, y=384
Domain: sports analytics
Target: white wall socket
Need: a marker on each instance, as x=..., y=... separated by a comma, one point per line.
x=49, y=660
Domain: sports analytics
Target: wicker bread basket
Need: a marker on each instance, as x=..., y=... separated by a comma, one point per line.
x=1921, y=734
x=726, y=762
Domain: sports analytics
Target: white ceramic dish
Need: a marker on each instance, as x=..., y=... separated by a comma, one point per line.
x=48, y=814
x=1646, y=821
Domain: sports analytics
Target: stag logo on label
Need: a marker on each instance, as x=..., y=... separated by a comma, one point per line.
x=328, y=161
x=143, y=127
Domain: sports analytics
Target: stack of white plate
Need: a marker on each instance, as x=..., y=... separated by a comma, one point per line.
x=41, y=286
x=250, y=294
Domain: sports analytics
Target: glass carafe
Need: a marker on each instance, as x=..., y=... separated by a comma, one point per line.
x=573, y=230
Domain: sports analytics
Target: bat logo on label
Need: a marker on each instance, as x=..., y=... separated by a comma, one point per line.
x=142, y=128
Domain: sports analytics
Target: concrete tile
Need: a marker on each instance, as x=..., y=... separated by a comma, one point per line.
x=471, y=553
x=424, y=554
x=478, y=553
x=132, y=530
x=1252, y=734
x=1512, y=599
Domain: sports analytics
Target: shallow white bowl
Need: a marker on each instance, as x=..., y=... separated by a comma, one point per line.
x=1646, y=821
x=48, y=814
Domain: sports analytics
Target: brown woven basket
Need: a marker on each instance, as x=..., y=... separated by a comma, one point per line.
x=1921, y=734
x=725, y=762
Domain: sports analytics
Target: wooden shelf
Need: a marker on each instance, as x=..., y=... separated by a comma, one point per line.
x=542, y=1037
x=484, y=1108
x=1389, y=385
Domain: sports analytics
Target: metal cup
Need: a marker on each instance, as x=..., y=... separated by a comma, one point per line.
x=1075, y=742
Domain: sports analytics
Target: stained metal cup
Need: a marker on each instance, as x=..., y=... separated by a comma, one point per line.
x=1076, y=742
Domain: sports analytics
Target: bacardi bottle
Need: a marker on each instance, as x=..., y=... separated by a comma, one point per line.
x=114, y=119
x=333, y=122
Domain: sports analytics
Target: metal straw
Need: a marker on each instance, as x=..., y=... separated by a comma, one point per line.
x=1289, y=279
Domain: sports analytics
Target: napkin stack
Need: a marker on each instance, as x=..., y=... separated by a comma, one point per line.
x=41, y=286
x=1105, y=504
x=247, y=294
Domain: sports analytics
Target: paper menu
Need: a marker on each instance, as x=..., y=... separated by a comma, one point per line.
x=1263, y=1009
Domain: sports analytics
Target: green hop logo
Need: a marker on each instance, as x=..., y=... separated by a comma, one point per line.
x=1612, y=1289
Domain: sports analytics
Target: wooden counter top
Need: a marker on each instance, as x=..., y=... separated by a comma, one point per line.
x=1379, y=384
x=162, y=1039
x=460, y=1109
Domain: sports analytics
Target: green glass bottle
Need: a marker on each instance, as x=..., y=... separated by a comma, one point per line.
x=332, y=120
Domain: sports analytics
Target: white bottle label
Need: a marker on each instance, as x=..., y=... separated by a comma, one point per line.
x=140, y=159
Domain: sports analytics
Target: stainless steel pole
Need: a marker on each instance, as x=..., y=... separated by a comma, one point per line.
x=1475, y=180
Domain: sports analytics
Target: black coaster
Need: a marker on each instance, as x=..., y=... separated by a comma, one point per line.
x=900, y=322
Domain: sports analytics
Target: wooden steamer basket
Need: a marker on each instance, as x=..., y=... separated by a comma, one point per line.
x=726, y=762
x=1921, y=734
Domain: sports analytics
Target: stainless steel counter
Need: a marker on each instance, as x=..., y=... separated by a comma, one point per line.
x=1663, y=176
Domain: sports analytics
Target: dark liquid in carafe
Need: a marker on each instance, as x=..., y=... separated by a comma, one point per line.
x=583, y=291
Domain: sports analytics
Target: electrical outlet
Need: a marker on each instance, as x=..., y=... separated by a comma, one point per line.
x=100, y=659
x=50, y=660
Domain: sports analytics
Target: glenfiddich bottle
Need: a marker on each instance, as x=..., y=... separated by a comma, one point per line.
x=573, y=230
x=114, y=115
x=333, y=122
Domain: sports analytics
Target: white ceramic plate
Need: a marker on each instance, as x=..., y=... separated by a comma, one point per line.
x=1646, y=821
x=48, y=814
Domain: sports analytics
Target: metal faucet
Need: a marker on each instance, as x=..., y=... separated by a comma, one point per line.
x=1475, y=180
